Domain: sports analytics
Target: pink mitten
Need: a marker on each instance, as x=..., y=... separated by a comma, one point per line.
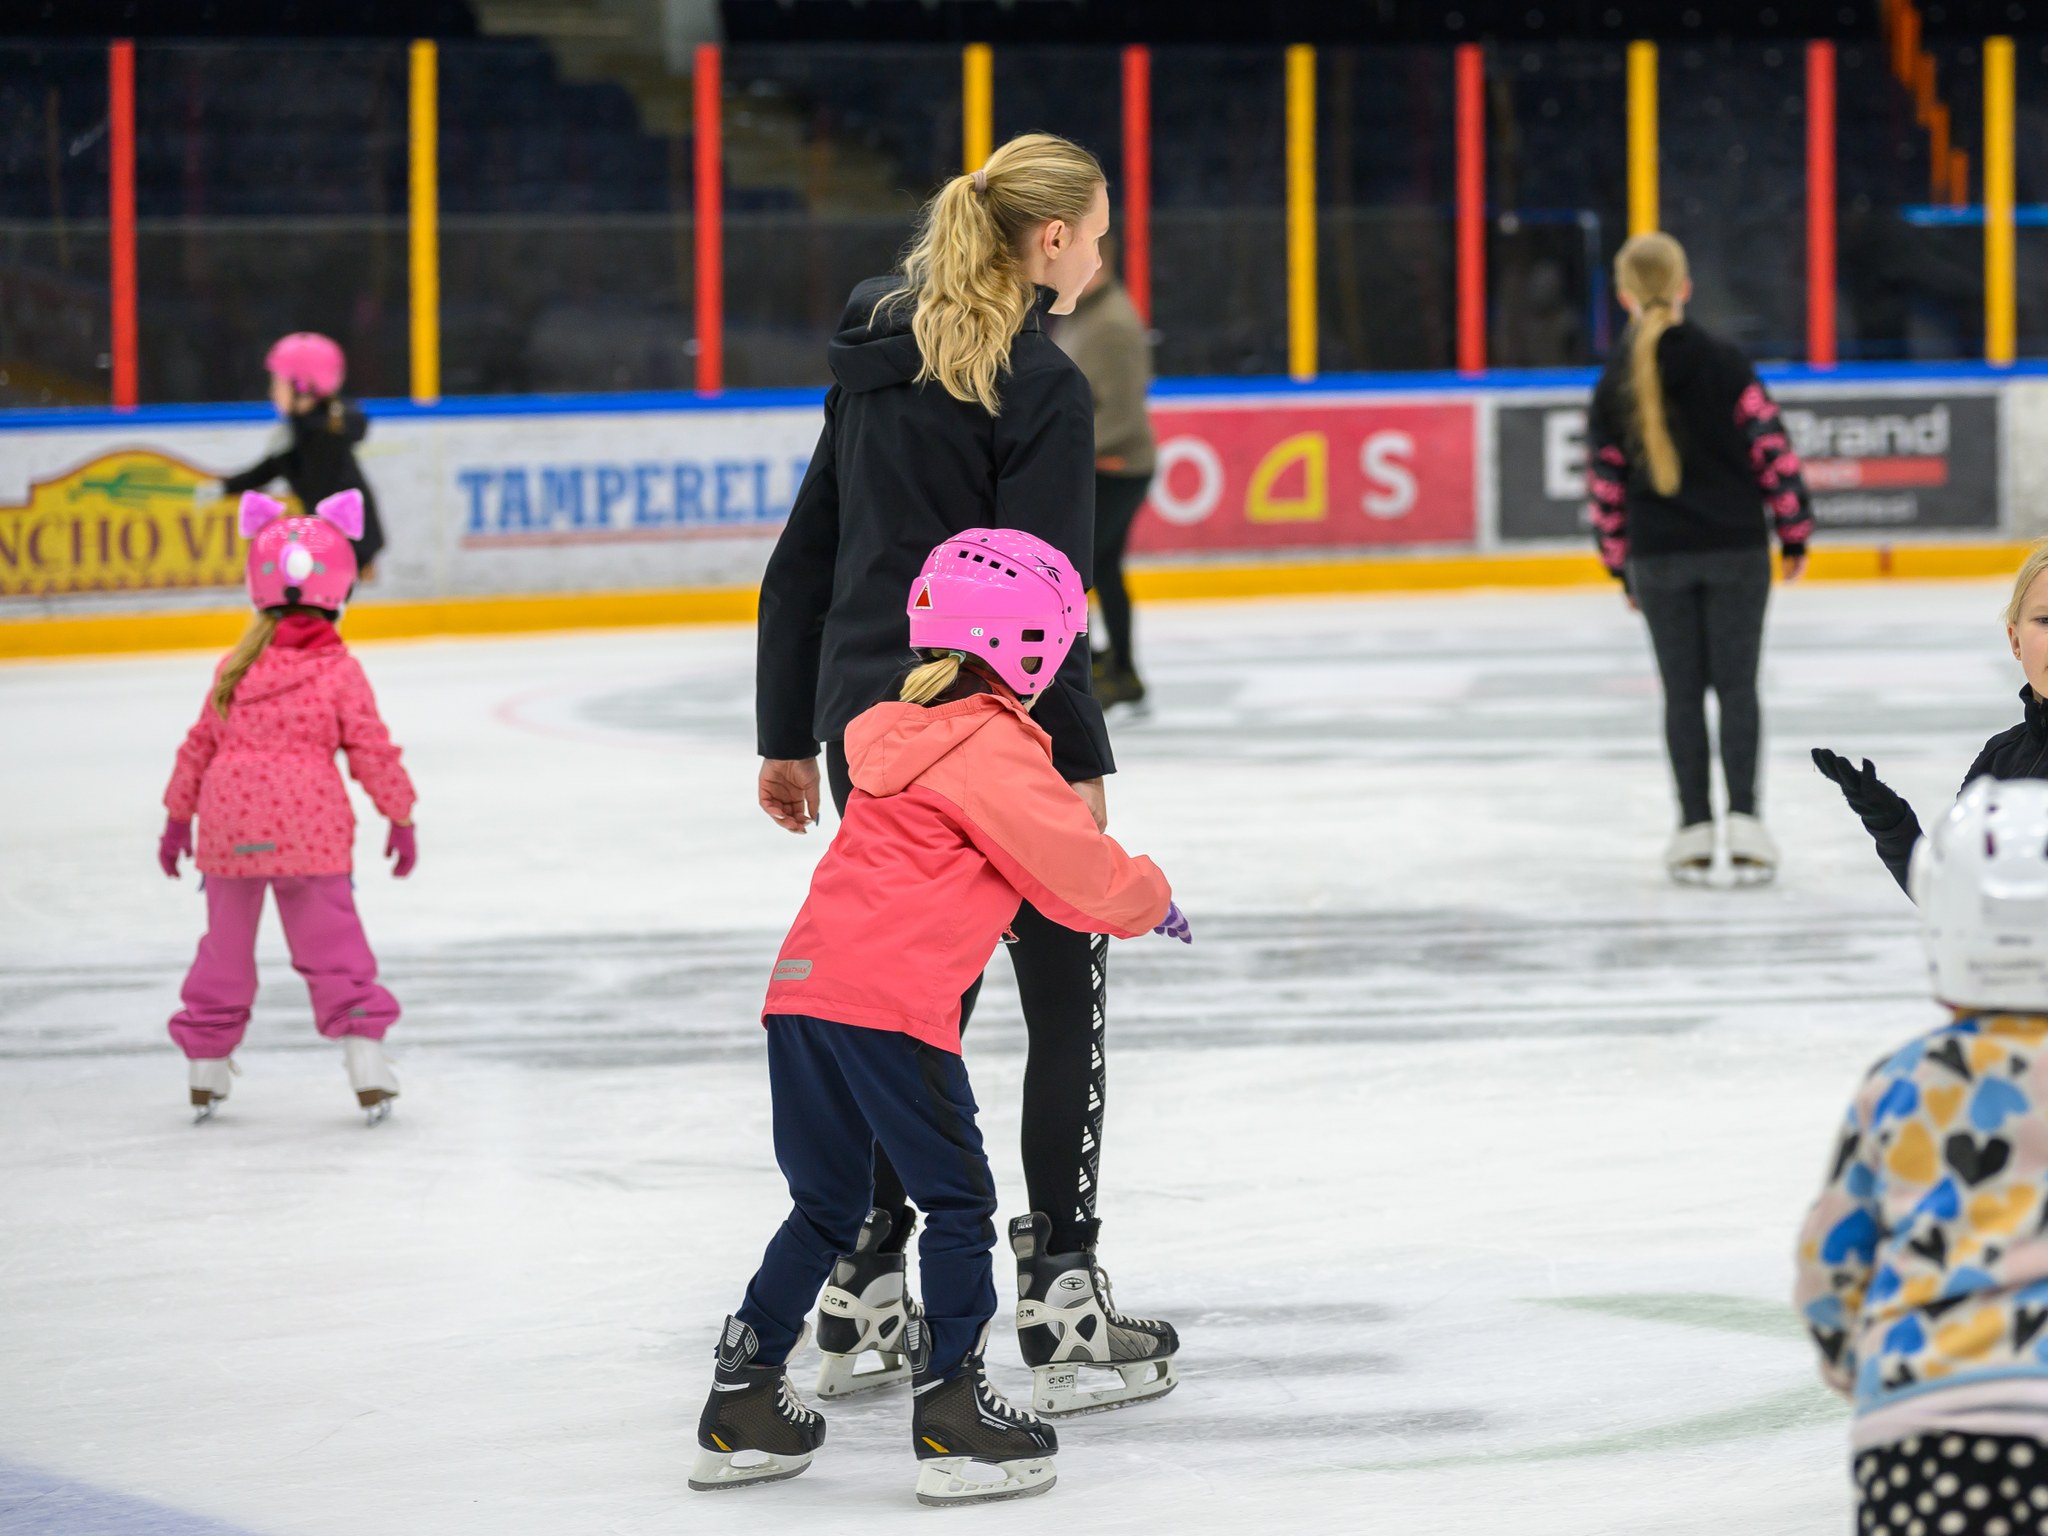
x=401, y=843
x=174, y=844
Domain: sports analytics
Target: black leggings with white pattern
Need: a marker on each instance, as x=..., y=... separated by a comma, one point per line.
x=1953, y=1484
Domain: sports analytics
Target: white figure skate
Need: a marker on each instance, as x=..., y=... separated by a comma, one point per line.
x=210, y=1079
x=1752, y=851
x=376, y=1085
x=1689, y=856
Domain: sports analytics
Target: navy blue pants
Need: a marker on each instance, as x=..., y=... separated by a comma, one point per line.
x=838, y=1092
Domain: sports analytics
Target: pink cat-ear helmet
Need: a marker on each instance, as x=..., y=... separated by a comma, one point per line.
x=1004, y=597
x=302, y=560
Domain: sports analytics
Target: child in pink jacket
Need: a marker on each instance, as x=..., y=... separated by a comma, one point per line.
x=957, y=815
x=258, y=771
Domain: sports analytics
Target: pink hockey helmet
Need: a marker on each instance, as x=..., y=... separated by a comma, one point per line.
x=309, y=362
x=1004, y=598
x=304, y=560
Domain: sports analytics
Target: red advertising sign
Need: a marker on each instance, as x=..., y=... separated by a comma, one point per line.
x=1299, y=475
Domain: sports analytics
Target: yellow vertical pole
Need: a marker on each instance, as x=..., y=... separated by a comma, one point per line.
x=977, y=104
x=425, y=226
x=1642, y=138
x=2000, y=325
x=1301, y=211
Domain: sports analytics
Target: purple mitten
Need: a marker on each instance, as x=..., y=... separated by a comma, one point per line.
x=401, y=843
x=176, y=843
x=1175, y=925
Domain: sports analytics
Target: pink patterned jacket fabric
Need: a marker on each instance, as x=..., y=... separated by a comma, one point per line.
x=263, y=781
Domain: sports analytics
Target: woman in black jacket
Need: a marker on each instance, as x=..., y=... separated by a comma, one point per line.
x=952, y=409
x=2019, y=752
x=1685, y=454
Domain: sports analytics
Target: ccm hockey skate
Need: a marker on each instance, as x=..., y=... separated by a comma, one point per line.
x=210, y=1077
x=973, y=1446
x=370, y=1075
x=1085, y=1356
x=863, y=1311
x=754, y=1428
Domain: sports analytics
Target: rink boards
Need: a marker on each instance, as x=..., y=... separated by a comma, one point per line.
x=566, y=512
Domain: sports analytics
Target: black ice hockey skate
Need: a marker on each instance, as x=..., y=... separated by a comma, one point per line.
x=973, y=1446
x=1085, y=1356
x=754, y=1429
x=863, y=1311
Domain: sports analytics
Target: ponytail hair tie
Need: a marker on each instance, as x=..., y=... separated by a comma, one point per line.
x=981, y=183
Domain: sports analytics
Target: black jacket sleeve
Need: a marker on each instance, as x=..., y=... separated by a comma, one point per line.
x=796, y=594
x=1607, y=483
x=1045, y=485
x=260, y=474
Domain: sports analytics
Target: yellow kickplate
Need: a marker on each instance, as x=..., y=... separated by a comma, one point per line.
x=721, y=1445
x=928, y=1440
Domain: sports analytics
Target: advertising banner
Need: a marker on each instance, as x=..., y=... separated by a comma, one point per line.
x=1874, y=462
x=1238, y=476
x=123, y=521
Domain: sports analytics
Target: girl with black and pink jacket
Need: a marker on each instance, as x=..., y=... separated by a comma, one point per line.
x=1686, y=461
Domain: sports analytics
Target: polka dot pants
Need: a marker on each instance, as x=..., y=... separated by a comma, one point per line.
x=1953, y=1485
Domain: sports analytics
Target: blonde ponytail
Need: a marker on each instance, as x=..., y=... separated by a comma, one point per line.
x=1651, y=269
x=965, y=271
x=927, y=682
x=254, y=642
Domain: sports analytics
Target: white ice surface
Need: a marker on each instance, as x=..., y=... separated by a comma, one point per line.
x=1465, y=1152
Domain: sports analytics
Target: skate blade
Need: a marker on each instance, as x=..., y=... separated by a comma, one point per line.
x=1691, y=874
x=1068, y=1390
x=839, y=1376
x=945, y=1482
x=716, y=1471
x=201, y=1113
x=1747, y=873
x=376, y=1112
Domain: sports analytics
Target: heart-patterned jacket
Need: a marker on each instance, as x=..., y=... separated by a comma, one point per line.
x=1923, y=1267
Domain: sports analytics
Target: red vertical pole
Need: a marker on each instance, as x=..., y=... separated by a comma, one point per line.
x=1138, y=179
x=1820, y=204
x=121, y=215
x=710, y=224
x=1471, y=228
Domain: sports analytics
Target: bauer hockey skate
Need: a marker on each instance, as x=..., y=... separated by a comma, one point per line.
x=1689, y=856
x=863, y=1311
x=1085, y=1356
x=754, y=1428
x=376, y=1085
x=1752, y=851
x=973, y=1446
x=210, y=1079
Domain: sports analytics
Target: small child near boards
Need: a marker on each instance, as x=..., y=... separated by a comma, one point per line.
x=957, y=816
x=2018, y=752
x=315, y=450
x=257, y=770
x=1923, y=1267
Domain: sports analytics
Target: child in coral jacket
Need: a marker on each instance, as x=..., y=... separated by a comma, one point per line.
x=1923, y=1267
x=957, y=815
x=258, y=771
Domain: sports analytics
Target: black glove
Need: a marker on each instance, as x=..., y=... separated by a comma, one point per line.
x=1885, y=813
x=1879, y=805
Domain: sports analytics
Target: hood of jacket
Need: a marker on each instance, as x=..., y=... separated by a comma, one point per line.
x=891, y=746
x=876, y=350
x=280, y=669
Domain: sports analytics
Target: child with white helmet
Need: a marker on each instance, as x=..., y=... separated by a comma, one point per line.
x=257, y=770
x=957, y=815
x=315, y=450
x=1923, y=1267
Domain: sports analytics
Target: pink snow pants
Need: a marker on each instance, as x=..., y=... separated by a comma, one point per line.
x=327, y=946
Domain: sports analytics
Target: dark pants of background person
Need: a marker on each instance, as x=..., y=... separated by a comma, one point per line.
x=1117, y=499
x=839, y=1091
x=1062, y=979
x=1706, y=618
